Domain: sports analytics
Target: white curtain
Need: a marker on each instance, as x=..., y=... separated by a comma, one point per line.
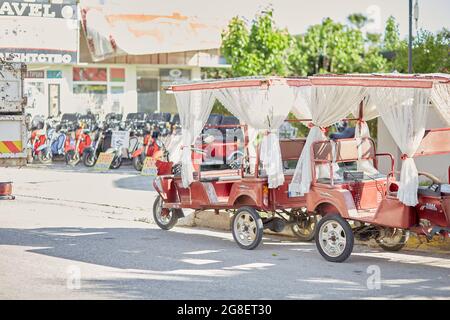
x=362, y=131
x=404, y=112
x=327, y=104
x=194, y=108
x=440, y=96
x=300, y=107
x=263, y=108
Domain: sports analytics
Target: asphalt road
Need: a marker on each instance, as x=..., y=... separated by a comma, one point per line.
x=75, y=234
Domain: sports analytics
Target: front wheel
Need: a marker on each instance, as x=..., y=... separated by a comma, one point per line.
x=137, y=163
x=392, y=239
x=89, y=158
x=166, y=219
x=116, y=163
x=247, y=228
x=334, y=238
x=44, y=157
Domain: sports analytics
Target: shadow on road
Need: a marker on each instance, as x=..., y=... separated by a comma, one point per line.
x=142, y=183
x=194, y=264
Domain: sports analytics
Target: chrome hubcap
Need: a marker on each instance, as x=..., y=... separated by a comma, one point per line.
x=332, y=238
x=245, y=228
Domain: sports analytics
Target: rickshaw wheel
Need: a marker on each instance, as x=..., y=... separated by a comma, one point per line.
x=305, y=228
x=334, y=238
x=247, y=228
x=164, y=221
x=393, y=239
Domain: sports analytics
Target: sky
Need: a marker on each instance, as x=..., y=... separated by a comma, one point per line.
x=297, y=15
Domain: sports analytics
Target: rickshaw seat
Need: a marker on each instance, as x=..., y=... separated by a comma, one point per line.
x=291, y=149
x=346, y=150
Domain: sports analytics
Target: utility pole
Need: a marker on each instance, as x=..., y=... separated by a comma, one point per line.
x=410, y=37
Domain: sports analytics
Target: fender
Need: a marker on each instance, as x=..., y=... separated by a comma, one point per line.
x=137, y=153
x=88, y=149
x=341, y=199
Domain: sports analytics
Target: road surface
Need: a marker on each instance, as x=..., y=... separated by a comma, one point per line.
x=75, y=234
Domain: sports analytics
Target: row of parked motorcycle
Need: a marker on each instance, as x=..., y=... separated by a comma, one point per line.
x=75, y=138
x=78, y=137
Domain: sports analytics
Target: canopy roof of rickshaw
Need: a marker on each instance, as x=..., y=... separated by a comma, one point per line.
x=362, y=80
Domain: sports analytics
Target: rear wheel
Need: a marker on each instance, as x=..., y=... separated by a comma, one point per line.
x=71, y=158
x=392, y=239
x=89, y=158
x=334, y=238
x=247, y=228
x=44, y=157
x=166, y=219
x=305, y=226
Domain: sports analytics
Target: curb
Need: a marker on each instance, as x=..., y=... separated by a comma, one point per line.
x=222, y=221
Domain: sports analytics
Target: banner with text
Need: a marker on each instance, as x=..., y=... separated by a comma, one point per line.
x=40, y=32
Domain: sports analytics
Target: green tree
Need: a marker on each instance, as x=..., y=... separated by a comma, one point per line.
x=262, y=50
x=391, y=35
x=336, y=48
x=358, y=20
x=430, y=53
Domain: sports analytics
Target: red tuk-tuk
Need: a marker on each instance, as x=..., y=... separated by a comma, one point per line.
x=317, y=184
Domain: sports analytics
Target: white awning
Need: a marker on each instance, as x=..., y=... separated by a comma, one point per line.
x=118, y=27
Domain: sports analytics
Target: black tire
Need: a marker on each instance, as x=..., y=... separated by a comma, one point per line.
x=164, y=223
x=247, y=228
x=393, y=245
x=89, y=159
x=44, y=157
x=137, y=163
x=305, y=229
x=70, y=157
x=116, y=163
x=328, y=228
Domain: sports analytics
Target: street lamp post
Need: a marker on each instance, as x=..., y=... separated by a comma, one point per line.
x=410, y=37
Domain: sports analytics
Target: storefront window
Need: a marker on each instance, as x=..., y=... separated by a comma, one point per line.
x=169, y=76
x=89, y=74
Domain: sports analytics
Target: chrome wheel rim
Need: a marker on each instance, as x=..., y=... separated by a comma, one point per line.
x=393, y=237
x=332, y=238
x=163, y=219
x=307, y=226
x=245, y=228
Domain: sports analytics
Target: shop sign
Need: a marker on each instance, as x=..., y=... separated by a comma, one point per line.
x=104, y=161
x=40, y=32
x=120, y=139
x=89, y=74
x=54, y=74
x=35, y=74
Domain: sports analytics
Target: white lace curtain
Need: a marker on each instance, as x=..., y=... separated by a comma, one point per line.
x=362, y=131
x=194, y=108
x=404, y=111
x=263, y=108
x=327, y=104
x=440, y=96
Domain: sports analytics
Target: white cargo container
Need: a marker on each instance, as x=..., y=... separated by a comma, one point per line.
x=11, y=87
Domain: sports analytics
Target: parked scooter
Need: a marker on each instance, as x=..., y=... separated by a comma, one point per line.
x=57, y=143
x=150, y=148
x=102, y=143
x=82, y=140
